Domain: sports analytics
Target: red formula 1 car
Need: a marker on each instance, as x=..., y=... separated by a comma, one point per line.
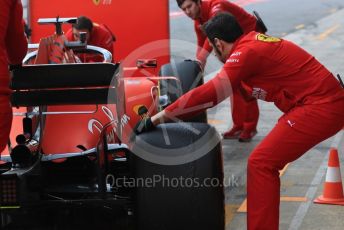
x=74, y=163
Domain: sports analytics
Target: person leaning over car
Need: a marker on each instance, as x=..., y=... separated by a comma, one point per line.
x=96, y=34
x=245, y=113
x=13, y=48
x=278, y=71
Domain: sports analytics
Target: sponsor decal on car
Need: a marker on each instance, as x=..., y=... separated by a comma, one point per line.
x=95, y=124
x=104, y=2
x=133, y=82
x=96, y=2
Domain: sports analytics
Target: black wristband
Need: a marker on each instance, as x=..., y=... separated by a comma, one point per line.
x=144, y=125
x=148, y=124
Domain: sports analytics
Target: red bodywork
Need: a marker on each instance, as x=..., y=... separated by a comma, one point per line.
x=134, y=28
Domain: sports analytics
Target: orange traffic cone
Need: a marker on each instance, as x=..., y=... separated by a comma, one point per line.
x=333, y=188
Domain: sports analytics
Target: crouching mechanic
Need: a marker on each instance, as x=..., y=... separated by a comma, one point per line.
x=96, y=35
x=13, y=48
x=277, y=71
x=245, y=113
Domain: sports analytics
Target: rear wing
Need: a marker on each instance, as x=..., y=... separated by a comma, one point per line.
x=57, y=22
x=64, y=84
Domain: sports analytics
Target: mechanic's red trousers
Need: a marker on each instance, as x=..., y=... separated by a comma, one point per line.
x=5, y=120
x=245, y=114
x=295, y=133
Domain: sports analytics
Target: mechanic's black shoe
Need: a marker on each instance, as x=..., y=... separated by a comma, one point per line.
x=247, y=135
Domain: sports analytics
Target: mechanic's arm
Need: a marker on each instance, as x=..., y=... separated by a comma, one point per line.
x=69, y=35
x=109, y=46
x=209, y=94
x=197, y=100
x=203, y=54
x=106, y=42
x=215, y=90
x=16, y=43
x=110, y=40
x=191, y=103
x=203, y=47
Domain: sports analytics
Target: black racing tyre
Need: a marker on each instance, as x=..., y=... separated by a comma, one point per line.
x=190, y=76
x=189, y=195
x=83, y=218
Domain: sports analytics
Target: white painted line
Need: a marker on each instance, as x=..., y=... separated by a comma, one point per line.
x=177, y=14
x=310, y=194
x=337, y=139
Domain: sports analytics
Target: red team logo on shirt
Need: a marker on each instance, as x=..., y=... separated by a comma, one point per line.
x=259, y=93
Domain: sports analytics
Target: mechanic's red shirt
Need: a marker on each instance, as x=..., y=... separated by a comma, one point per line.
x=100, y=36
x=272, y=69
x=13, y=43
x=209, y=8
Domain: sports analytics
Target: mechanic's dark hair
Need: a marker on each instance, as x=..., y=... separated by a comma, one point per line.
x=223, y=26
x=180, y=2
x=83, y=23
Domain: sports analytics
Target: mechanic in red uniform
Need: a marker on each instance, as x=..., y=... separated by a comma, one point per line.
x=13, y=47
x=277, y=71
x=96, y=34
x=245, y=113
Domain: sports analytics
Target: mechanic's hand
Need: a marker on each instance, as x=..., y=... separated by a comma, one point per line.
x=144, y=125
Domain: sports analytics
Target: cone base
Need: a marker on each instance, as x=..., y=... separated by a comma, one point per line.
x=323, y=200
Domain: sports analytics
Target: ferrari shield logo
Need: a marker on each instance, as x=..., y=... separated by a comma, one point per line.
x=96, y=2
x=266, y=38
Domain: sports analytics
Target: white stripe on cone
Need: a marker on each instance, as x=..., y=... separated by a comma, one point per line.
x=333, y=174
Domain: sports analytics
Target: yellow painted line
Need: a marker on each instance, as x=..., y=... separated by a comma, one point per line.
x=243, y=206
x=215, y=122
x=300, y=26
x=230, y=210
x=293, y=199
x=325, y=34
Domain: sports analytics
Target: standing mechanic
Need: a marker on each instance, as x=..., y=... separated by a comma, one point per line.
x=13, y=48
x=245, y=110
x=277, y=71
x=96, y=34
